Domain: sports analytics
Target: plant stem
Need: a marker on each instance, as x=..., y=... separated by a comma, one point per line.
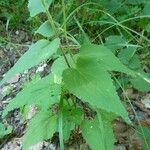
x=66, y=60
x=61, y=125
x=64, y=17
x=65, y=28
x=50, y=19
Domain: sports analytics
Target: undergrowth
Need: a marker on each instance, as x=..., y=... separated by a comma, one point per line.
x=13, y=12
x=95, y=51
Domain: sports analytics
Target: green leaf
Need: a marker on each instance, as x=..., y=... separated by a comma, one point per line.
x=41, y=127
x=57, y=69
x=123, y=82
x=38, y=52
x=141, y=82
x=146, y=10
x=105, y=121
x=128, y=57
x=136, y=2
x=71, y=116
x=94, y=85
x=98, y=133
x=115, y=42
x=113, y=6
x=92, y=134
x=59, y=66
x=4, y=131
x=68, y=127
x=45, y=29
x=104, y=58
x=135, y=63
x=35, y=6
x=42, y=93
x=144, y=133
x=147, y=28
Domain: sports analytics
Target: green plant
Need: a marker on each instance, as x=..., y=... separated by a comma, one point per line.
x=146, y=131
x=13, y=12
x=4, y=131
x=80, y=73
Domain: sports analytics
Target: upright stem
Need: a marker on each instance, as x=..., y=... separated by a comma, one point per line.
x=64, y=18
x=50, y=19
x=65, y=27
x=66, y=60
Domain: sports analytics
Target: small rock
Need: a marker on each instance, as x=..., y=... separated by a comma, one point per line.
x=38, y=146
x=14, y=79
x=120, y=147
x=12, y=145
x=11, y=48
x=52, y=147
x=17, y=32
x=7, y=90
x=41, y=68
x=1, y=94
x=46, y=144
x=146, y=101
x=1, y=106
x=31, y=112
x=26, y=72
x=141, y=115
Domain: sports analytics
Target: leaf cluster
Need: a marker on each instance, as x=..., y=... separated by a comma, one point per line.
x=88, y=52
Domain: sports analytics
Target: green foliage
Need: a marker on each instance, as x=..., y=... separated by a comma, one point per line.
x=42, y=93
x=71, y=117
x=59, y=66
x=97, y=131
x=128, y=57
x=13, y=12
x=144, y=133
x=41, y=127
x=102, y=56
x=146, y=10
x=142, y=82
x=4, y=131
x=91, y=82
x=81, y=73
x=45, y=29
x=115, y=42
x=36, y=7
x=38, y=52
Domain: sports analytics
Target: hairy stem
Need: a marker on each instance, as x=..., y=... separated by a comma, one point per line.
x=50, y=19
x=65, y=28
